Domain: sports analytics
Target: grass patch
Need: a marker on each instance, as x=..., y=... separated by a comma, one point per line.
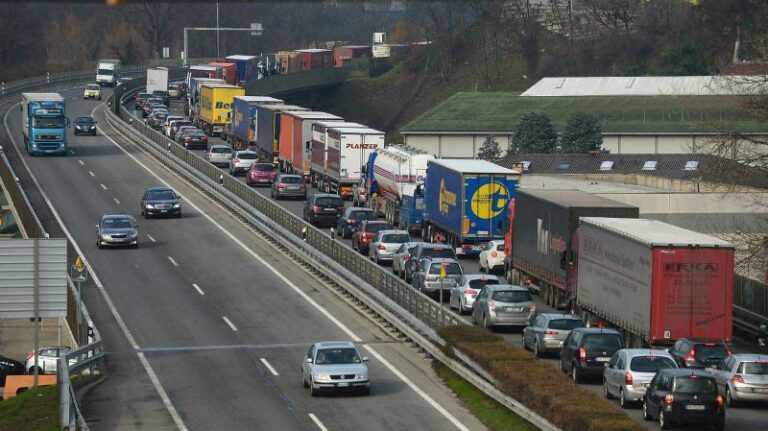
x=33, y=410
x=492, y=414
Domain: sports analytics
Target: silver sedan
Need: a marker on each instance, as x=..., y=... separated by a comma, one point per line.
x=630, y=370
x=335, y=366
x=117, y=230
x=218, y=154
x=463, y=295
x=742, y=377
x=503, y=305
x=548, y=331
x=386, y=243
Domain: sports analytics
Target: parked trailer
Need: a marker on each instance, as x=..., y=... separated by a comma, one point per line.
x=394, y=179
x=319, y=160
x=290, y=61
x=655, y=281
x=349, y=52
x=315, y=58
x=467, y=203
x=226, y=70
x=244, y=119
x=295, y=150
x=268, y=129
x=247, y=68
x=216, y=106
x=541, y=227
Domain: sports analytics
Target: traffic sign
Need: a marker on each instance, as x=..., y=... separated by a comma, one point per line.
x=79, y=264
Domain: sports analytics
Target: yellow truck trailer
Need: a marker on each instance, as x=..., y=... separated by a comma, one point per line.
x=215, y=108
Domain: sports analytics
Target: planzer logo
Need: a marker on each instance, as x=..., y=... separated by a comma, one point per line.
x=690, y=267
x=445, y=199
x=489, y=200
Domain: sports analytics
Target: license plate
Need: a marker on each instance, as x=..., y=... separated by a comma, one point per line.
x=760, y=390
x=515, y=309
x=330, y=210
x=163, y=211
x=293, y=187
x=263, y=180
x=343, y=385
x=603, y=359
x=695, y=407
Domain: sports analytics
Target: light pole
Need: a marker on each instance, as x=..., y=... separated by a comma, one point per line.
x=256, y=30
x=217, y=32
x=79, y=275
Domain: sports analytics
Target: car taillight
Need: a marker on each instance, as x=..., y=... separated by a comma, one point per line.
x=470, y=292
x=691, y=356
x=551, y=333
x=669, y=399
x=719, y=401
x=340, y=209
x=237, y=160
x=382, y=247
x=405, y=258
x=361, y=191
x=31, y=355
x=315, y=209
x=492, y=305
x=628, y=378
x=351, y=221
x=737, y=379
x=281, y=186
x=582, y=354
x=426, y=278
x=494, y=254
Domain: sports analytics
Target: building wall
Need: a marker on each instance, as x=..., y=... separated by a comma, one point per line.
x=454, y=146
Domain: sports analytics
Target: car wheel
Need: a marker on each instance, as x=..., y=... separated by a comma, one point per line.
x=729, y=398
x=304, y=381
x=663, y=422
x=485, y=321
x=622, y=399
x=32, y=370
x=646, y=413
x=98, y=244
x=606, y=392
x=312, y=391
x=575, y=374
x=536, y=351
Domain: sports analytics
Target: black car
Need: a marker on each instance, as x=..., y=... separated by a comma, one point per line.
x=160, y=94
x=587, y=351
x=157, y=118
x=9, y=367
x=678, y=396
x=426, y=249
x=85, y=126
x=351, y=219
x=193, y=138
x=160, y=201
x=699, y=352
x=323, y=209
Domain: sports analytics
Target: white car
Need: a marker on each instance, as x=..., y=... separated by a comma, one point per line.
x=630, y=370
x=241, y=161
x=48, y=360
x=167, y=123
x=335, y=366
x=492, y=257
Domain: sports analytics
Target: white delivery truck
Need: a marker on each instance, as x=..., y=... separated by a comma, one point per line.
x=108, y=72
x=157, y=79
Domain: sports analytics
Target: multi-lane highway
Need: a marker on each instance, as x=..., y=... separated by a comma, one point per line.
x=746, y=417
x=205, y=324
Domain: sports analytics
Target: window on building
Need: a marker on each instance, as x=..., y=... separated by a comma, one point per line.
x=563, y=166
x=650, y=165
x=526, y=165
x=691, y=165
x=606, y=165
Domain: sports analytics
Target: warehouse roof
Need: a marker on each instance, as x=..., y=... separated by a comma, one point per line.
x=654, y=232
x=647, y=86
x=574, y=198
x=473, y=166
x=500, y=112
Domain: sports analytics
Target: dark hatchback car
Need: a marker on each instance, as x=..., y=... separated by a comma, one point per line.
x=679, y=396
x=85, y=126
x=351, y=219
x=426, y=249
x=323, y=209
x=194, y=138
x=160, y=201
x=586, y=352
x=157, y=118
x=9, y=367
x=289, y=186
x=699, y=352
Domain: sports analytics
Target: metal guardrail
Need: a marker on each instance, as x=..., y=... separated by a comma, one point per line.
x=411, y=312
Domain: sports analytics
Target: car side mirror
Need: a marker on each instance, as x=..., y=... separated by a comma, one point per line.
x=309, y=360
x=366, y=359
x=178, y=196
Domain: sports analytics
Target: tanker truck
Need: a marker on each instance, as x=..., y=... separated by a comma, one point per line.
x=394, y=179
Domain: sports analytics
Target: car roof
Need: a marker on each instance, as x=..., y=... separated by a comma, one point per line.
x=326, y=195
x=505, y=287
x=432, y=244
x=360, y=209
x=388, y=231
x=646, y=352
x=683, y=372
x=741, y=357
x=551, y=316
x=115, y=216
x=245, y=152
x=289, y=176
x=593, y=330
x=219, y=146
x=704, y=340
x=158, y=188
x=84, y=117
x=334, y=344
x=375, y=221
x=481, y=276
x=441, y=259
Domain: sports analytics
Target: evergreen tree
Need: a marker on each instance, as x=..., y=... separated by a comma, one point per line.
x=582, y=134
x=535, y=134
x=490, y=149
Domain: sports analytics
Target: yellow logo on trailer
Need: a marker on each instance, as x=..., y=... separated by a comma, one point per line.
x=489, y=200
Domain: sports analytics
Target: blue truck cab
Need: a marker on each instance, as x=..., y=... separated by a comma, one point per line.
x=44, y=123
x=467, y=203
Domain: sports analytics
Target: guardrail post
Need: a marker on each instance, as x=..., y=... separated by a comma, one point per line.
x=48, y=77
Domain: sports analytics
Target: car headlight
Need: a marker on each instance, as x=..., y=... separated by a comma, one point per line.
x=361, y=376
x=93, y=127
x=149, y=206
x=105, y=236
x=77, y=127
x=323, y=378
x=177, y=205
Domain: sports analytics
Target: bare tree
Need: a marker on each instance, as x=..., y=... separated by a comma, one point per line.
x=615, y=15
x=155, y=18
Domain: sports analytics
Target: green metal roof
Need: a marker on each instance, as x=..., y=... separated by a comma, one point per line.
x=501, y=112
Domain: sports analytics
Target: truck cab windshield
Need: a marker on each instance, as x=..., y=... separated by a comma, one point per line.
x=48, y=122
x=104, y=72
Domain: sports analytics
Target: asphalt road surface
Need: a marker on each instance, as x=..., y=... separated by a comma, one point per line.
x=220, y=319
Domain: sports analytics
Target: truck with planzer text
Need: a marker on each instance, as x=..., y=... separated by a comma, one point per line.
x=45, y=123
x=319, y=150
x=348, y=151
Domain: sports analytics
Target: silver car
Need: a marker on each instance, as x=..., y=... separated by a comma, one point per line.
x=630, y=370
x=742, y=377
x=547, y=332
x=427, y=278
x=463, y=295
x=503, y=305
x=401, y=258
x=218, y=154
x=47, y=359
x=241, y=161
x=167, y=123
x=335, y=366
x=385, y=244
x=117, y=230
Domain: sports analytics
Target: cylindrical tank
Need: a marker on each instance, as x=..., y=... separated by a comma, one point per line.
x=398, y=170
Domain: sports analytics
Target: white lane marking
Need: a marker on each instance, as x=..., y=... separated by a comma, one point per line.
x=269, y=366
x=72, y=152
x=107, y=299
x=150, y=238
x=450, y=417
x=317, y=422
x=103, y=186
x=173, y=261
x=81, y=162
x=116, y=201
x=229, y=323
x=91, y=173
x=199, y=290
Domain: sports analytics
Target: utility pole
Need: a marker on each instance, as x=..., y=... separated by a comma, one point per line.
x=217, y=31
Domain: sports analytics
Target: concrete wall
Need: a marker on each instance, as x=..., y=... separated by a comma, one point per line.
x=454, y=146
x=661, y=183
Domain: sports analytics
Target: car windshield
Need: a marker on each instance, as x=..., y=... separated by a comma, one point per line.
x=264, y=167
x=650, y=363
x=116, y=223
x=246, y=156
x=451, y=268
x=602, y=341
x=178, y=124
x=479, y=283
x=363, y=215
x=760, y=368
x=694, y=385
x=161, y=195
x=144, y=95
x=375, y=227
x=439, y=252
x=512, y=296
x=395, y=238
x=329, y=202
x=84, y=120
x=500, y=247
x=290, y=180
x=565, y=324
x=48, y=122
x=710, y=351
x=92, y=86
x=220, y=150
x=345, y=355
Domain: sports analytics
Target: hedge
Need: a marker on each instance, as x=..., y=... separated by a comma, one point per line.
x=537, y=384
